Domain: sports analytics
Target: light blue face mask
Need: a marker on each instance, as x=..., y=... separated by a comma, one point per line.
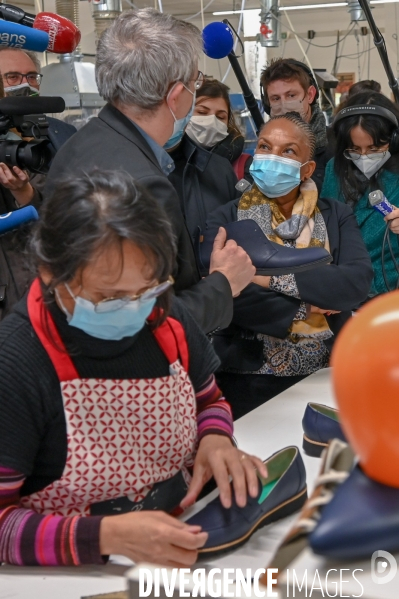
x=275, y=175
x=179, y=124
x=111, y=320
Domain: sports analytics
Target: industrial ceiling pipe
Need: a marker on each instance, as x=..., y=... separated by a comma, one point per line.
x=104, y=13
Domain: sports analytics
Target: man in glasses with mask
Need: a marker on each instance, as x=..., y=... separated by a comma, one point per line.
x=288, y=85
x=20, y=76
x=20, y=70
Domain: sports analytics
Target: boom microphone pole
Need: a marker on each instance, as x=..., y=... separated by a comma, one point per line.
x=379, y=43
x=218, y=43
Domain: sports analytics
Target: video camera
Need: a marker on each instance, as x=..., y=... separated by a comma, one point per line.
x=27, y=115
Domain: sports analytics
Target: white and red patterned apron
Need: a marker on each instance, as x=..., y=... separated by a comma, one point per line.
x=123, y=435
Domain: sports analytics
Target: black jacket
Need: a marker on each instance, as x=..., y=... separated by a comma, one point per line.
x=203, y=181
x=112, y=142
x=342, y=285
x=16, y=273
x=59, y=132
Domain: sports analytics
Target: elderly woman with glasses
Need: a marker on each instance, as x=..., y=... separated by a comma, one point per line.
x=113, y=416
x=367, y=159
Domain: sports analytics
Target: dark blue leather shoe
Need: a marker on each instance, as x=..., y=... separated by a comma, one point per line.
x=320, y=424
x=269, y=258
x=282, y=493
x=362, y=517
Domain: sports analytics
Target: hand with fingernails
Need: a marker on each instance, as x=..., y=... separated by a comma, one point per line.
x=217, y=457
x=393, y=219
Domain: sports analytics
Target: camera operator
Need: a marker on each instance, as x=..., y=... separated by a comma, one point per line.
x=16, y=180
x=26, y=153
x=21, y=75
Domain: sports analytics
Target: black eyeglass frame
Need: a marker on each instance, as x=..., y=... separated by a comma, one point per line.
x=36, y=78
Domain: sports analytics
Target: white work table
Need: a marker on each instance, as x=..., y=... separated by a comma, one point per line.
x=271, y=427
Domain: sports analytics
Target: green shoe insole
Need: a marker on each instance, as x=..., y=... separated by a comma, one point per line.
x=267, y=489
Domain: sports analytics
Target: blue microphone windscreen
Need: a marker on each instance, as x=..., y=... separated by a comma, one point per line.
x=17, y=218
x=13, y=35
x=218, y=40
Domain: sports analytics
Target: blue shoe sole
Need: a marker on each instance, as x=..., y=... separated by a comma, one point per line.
x=292, y=505
x=313, y=448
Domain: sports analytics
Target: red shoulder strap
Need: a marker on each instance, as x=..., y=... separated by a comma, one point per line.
x=45, y=329
x=239, y=165
x=171, y=338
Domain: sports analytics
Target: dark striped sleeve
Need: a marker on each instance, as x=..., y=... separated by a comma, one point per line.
x=31, y=539
x=213, y=412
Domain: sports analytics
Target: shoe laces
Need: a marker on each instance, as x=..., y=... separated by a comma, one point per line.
x=333, y=477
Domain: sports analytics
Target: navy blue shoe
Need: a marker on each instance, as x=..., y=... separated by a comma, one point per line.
x=281, y=494
x=362, y=517
x=320, y=424
x=269, y=258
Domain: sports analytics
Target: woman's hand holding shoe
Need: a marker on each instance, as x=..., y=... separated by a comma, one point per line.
x=217, y=457
x=151, y=537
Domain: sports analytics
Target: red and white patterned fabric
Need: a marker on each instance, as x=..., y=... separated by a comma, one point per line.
x=123, y=435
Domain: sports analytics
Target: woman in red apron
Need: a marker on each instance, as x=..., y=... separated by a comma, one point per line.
x=108, y=404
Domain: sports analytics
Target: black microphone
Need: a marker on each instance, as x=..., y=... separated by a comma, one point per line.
x=16, y=15
x=21, y=105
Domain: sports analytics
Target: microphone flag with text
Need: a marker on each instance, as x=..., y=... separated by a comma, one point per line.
x=46, y=31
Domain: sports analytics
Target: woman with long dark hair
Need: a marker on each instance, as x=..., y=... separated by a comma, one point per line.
x=213, y=121
x=367, y=159
x=106, y=400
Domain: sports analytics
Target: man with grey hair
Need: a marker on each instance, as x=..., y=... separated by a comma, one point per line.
x=147, y=70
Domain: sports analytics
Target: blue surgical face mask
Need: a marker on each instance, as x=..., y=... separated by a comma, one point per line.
x=179, y=124
x=275, y=175
x=114, y=320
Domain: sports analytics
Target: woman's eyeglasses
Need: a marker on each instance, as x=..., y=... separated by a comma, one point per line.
x=105, y=305
x=17, y=78
x=354, y=155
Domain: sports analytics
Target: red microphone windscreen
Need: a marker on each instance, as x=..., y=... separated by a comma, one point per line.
x=64, y=35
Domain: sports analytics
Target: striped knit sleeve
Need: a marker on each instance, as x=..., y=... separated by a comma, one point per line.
x=213, y=412
x=31, y=539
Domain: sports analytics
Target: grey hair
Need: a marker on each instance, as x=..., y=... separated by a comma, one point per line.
x=142, y=53
x=32, y=55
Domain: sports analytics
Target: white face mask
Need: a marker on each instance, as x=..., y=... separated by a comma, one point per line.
x=369, y=166
x=207, y=131
x=23, y=89
x=284, y=106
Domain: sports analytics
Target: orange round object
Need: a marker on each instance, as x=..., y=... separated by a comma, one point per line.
x=365, y=363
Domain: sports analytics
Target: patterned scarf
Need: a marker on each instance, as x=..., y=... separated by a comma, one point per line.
x=318, y=125
x=305, y=228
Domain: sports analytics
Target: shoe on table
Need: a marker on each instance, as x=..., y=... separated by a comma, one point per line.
x=282, y=493
x=337, y=462
x=320, y=424
x=363, y=517
x=269, y=258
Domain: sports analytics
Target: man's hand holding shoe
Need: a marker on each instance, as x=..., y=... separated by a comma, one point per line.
x=232, y=261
